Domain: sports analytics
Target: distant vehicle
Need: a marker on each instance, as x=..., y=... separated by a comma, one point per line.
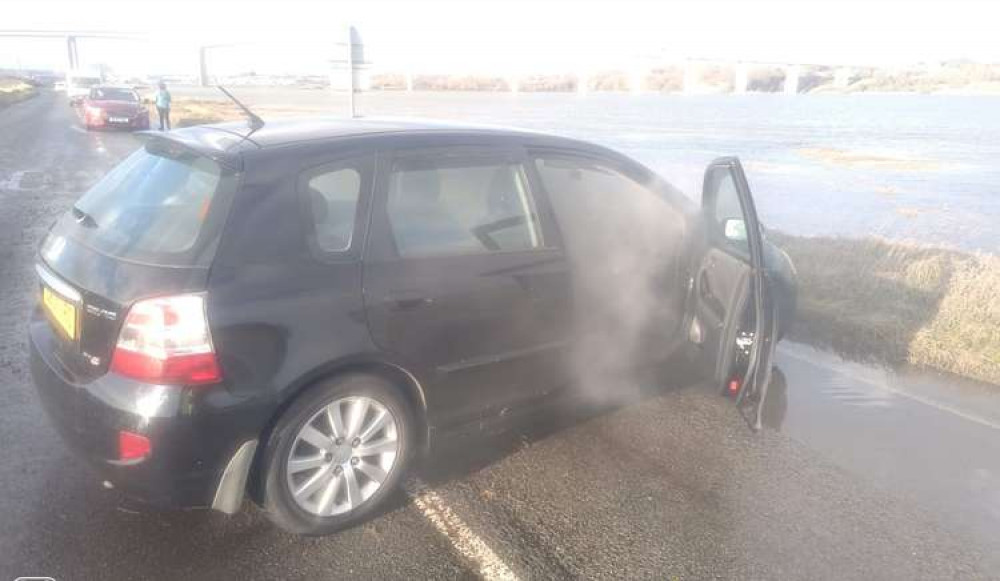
x=120, y=107
x=78, y=86
x=297, y=312
x=46, y=79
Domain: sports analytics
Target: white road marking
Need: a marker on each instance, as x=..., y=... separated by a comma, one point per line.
x=466, y=542
x=13, y=183
x=78, y=129
x=917, y=398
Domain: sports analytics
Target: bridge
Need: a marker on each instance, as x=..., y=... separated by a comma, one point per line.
x=348, y=50
x=349, y=56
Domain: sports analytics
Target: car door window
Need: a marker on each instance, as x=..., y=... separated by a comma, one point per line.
x=726, y=216
x=441, y=205
x=607, y=215
x=624, y=238
x=331, y=194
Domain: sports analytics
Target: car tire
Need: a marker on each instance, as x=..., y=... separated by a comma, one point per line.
x=323, y=512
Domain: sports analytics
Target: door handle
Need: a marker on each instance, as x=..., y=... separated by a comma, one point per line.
x=711, y=302
x=705, y=287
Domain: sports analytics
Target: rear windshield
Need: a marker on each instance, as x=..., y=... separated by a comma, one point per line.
x=106, y=94
x=162, y=205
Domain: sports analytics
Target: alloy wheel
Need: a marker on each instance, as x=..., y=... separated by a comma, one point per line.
x=342, y=455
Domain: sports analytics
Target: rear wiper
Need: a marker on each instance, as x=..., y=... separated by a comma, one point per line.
x=83, y=218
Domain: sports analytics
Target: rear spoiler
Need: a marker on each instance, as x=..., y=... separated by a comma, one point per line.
x=213, y=149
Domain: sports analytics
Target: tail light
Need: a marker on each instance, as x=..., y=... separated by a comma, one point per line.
x=167, y=341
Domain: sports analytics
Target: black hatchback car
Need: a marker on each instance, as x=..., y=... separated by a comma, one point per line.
x=296, y=312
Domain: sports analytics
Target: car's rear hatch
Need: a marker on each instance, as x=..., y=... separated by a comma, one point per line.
x=117, y=107
x=149, y=228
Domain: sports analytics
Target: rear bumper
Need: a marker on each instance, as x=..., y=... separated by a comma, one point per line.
x=194, y=432
x=140, y=121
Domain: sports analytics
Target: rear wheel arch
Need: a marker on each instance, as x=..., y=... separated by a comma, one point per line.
x=399, y=378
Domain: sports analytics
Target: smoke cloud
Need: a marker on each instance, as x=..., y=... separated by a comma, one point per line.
x=626, y=245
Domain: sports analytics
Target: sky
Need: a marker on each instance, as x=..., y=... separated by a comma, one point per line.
x=500, y=37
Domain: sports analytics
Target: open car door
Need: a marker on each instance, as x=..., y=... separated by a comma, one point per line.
x=732, y=325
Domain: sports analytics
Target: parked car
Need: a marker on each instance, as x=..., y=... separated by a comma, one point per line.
x=119, y=107
x=298, y=312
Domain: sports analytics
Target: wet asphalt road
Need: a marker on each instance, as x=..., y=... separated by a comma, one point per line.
x=671, y=485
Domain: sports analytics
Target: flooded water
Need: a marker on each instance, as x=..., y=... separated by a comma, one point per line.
x=914, y=167
x=928, y=437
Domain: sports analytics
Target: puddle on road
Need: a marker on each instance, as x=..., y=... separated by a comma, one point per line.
x=921, y=435
x=865, y=385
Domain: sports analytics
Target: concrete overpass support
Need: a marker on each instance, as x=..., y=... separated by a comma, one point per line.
x=842, y=77
x=72, y=54
x=792, y=80
x=582, y=80
x=514, y=83
x=635, y=78
x=741, y=80
x=203, y=66
x=690, y=77
x=409, y=82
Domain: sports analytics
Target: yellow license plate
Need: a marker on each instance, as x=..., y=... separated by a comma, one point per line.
x=62, y=312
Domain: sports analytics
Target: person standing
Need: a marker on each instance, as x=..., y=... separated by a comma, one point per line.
x=163, y=105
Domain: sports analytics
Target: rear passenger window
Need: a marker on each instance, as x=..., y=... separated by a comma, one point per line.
x=450, y=206
x=331, y=198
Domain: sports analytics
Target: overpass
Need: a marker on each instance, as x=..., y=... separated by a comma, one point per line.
x=70, y=37
x=351, y=50
x=640, y=68
x=350, y=57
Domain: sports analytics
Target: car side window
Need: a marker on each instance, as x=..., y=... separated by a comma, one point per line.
x=331, y=194
x=449, y=205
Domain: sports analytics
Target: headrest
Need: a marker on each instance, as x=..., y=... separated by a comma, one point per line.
x=418, y=186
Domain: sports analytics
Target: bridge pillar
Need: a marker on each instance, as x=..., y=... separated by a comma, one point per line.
x=635, y=80
x=792, y=79
x=582, y=80
x=842, y=77
x=690, y=77
x=409, y=82
x=203, y=66
x=740, y=82
x=71, y=53
x=514, y=83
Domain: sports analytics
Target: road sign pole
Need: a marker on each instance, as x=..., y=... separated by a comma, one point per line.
x=350, y=70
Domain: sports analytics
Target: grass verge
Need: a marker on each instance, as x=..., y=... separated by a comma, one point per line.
x=185, y=112
x=188, y=112
x=899, y=303
x=13, y=90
